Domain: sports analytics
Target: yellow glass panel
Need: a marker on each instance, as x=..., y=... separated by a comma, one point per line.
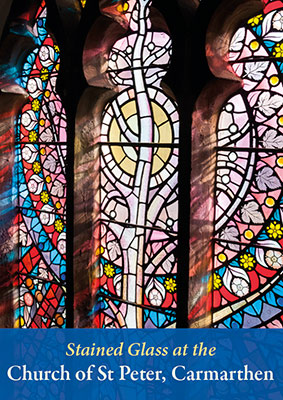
x=158, y=114
x=118, y=153
x=157, y=165
x=165, y=133
x=158, y=162
x=128, y=166
x=129, y=109
x=114, y=134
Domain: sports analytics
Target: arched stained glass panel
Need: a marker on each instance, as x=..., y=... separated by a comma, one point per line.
x=137, y=208
x=40, y=146
x=245, y=289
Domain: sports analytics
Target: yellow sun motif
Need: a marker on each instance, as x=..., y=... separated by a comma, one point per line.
x=44, y=197
x=278, y=50
x=255, y=20
x=269, y=201
x=254, y=45
x=32, y=136
x=48, y=179
x=275, y=230
x=36, y=167
x=217, y=281
x=222, y=257
x=248, y=234
x=35, y=105
x=109, y=270
x=59, y=225
x=247, y=261
x=170, y=285
x=274, y=80
x=44, y=74
x=127, y=160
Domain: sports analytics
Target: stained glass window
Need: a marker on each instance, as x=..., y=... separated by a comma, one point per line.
x=40, y=153
x=245, y=288
x=136, y=212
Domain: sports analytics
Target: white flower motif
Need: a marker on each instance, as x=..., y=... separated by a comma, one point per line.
x=62, y=246
x=46, y=216
x=155, y=292
x=35, y=184
x=32, y=185
x=34, y=87
x=260, y=253
x=233, y=273
x=44, y=53
x=277, y=21
x=274, y=259
x=155, y=297
x=62, y=243
x=240, y=287
x=29, y=153
x=29, y=120
x=26, y=119
x=26, y=153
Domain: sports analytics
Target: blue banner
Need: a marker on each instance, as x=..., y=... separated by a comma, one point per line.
x=141, y=364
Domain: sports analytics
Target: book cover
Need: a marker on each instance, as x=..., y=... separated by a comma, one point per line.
x=141, y=190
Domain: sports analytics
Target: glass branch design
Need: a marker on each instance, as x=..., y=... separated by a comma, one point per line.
x=138, y=195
